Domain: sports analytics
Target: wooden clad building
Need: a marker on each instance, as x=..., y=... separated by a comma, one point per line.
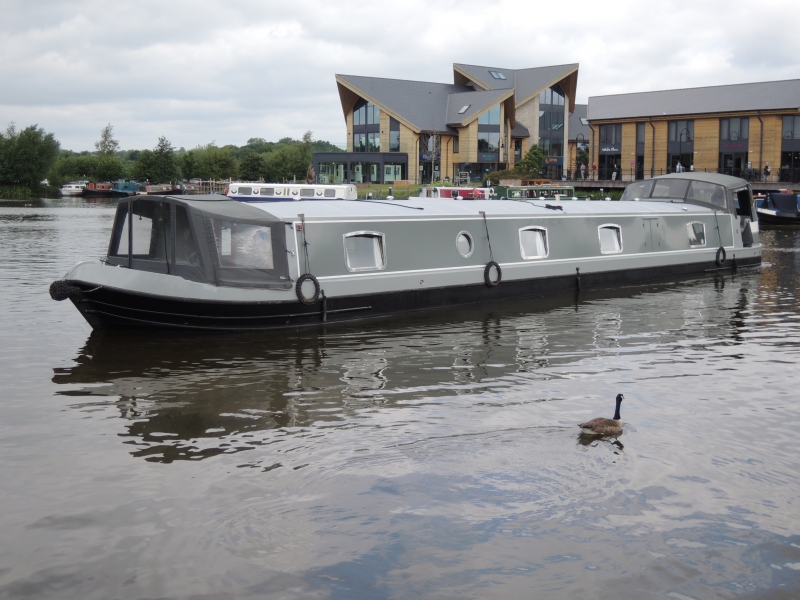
x=421, y=131
x=747, y=130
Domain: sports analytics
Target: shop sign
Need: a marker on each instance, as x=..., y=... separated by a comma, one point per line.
x=610, y=149
x=733, y=145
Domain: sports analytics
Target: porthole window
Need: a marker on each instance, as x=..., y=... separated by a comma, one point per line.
x=610, y=239
x=697, y=234
x=464, y=244
x=365, y=251
x=533, y=243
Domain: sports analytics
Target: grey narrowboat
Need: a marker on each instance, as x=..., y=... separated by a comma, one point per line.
x=206, y=263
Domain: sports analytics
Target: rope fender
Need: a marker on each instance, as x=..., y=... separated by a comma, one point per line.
x=61, y=290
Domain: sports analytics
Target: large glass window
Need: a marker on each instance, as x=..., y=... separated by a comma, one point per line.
x=791, y=128
x=611, y=134
x=734, y=129
x=490, y=117
x=488, y=141
x=553, y=96
x=638, y=190
x=365, y=251
x=639, y=133
x=373, y=115
x=359, y=142
x=681, y=131
x=374, y=140
x=394, y=135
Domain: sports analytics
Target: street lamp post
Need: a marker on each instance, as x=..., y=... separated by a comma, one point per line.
x=680, y=143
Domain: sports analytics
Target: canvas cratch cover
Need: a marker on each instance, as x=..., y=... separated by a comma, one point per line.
x=202, y=238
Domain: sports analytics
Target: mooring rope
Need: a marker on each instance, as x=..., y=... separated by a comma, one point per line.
x=488, y=239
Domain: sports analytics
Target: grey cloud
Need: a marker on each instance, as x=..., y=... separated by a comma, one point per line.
x=226, y=71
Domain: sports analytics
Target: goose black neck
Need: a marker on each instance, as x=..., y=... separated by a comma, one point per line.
x=616, y=412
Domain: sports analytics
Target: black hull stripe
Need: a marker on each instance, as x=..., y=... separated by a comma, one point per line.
x=109, y=308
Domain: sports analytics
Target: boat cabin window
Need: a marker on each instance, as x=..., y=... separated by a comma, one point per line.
x=697, y=234
x=120, y=234
x=267, y=191
x=151, y=230
x=640, y=189
x=242, y=245
x=365, y=251
x=186, y=251
x=743, y=202
x=670, y=188
x=245, y=191
x=464, y=244
x=610, y=239
x=709, y=193
x=533, y=242
x=307, y=193
x=330, y=193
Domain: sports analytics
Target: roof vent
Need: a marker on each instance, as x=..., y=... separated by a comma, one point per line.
x=464, y=109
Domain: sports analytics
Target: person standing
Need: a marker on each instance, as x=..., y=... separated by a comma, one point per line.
x=766, y=172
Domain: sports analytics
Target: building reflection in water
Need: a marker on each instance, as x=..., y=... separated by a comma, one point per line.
x=184, y=397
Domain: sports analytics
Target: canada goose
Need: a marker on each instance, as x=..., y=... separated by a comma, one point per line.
x=601, y=426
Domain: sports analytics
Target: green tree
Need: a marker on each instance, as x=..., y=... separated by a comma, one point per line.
x=26, y=156
x=157, y=165
x=109, y=166
x=215, y=163
x=533, y=164
x=253, y=167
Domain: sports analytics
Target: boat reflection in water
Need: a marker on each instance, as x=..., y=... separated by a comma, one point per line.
x=184, y=397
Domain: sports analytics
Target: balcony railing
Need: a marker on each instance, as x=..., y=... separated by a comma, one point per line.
x=785, y=175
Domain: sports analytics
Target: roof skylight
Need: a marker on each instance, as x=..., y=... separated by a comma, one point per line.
x=464, y=109
x=497, y=74
x=584, y=121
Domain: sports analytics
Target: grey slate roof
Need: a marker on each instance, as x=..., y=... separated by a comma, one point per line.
x=525, y=81
x=575, y=125
x=419, y=102
x=769, y=95
x=477, y=101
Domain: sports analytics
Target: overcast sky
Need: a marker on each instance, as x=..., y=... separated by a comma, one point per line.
x=225, y=71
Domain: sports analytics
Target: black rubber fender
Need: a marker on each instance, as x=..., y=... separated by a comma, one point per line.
x=487, y=274
x=61, y=290
x=298, y=288
x=721, y=256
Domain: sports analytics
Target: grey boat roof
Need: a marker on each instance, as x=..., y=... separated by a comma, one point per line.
x=726, y=181
x=443, y=208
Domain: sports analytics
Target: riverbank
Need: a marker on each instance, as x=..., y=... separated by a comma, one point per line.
x=21, y=192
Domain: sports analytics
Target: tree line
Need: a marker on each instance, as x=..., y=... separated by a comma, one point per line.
x=31, y=155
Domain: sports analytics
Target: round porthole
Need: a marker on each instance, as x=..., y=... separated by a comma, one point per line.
x=464, y=244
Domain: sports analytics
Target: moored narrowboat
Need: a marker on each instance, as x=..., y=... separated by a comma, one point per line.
x=290, y=192
x=779, y=210
x=202, y=263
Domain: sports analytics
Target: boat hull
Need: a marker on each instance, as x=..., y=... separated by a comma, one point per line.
x=106, y=307
x=773, y=219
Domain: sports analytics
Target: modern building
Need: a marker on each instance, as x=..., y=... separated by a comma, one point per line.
x=420, y=131
x=740, y=130
x=579, y=142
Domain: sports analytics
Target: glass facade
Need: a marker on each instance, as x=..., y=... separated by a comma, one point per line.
x=680, y=146
x=733, y=146
x=367, y=127
x=394, y=135
x=489, y=135
x=551, y=129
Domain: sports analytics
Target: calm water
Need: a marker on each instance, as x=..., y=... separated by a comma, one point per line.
x=429, y=457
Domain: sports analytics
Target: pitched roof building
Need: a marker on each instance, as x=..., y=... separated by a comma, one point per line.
x=748, y=130
x=422, y=131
